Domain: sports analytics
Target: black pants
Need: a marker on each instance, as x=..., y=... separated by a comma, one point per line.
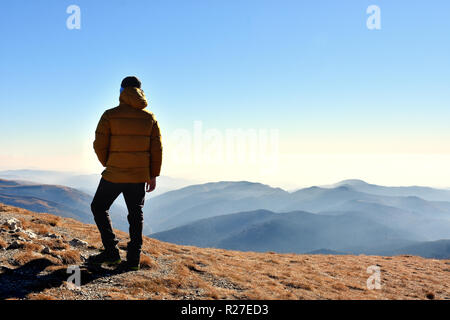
x=134, y=194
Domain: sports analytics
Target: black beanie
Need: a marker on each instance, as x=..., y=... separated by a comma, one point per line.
x=131, y=82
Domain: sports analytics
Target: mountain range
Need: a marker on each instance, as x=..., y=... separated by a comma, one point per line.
x=84, y=182
x=302, y=232
x=56, y=199
x=290, y=232
x=426, y=193
x=348, y=217
x=343, y=218
x=426, y=219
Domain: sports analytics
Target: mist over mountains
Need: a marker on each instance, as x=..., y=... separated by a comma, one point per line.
x=425, y=193
x=178, y=207
x=297, y=232
x=426, y=220
x=84, y=182
x=340, y=218
x=347, y=217
x=56, y=199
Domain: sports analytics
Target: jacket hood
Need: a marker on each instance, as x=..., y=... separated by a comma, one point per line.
x=134, y=97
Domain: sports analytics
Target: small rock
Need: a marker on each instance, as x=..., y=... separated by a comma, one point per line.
x=30, y=234
x=430, y=295
x=13, y=224
x=15, y=245
x=18, y=237
x=13, y=231
x=46, y=250
x=53, y=236
x=78, y=243
x=70, y=286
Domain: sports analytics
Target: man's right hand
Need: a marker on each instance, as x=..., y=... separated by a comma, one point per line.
x=150, y=185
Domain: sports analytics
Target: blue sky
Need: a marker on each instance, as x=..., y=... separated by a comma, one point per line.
x=310, y=69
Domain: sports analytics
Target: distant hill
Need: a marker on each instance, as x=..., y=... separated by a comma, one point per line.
x=428, y=220
x=431, y=249
x=327, y=252
x=191, y=203
x=427, y=223
x=426, y=193
x=64, y=200
x=302, y=232
x=39, y=176
x=41, y=205
x=331, y=215
x=297, y=232
x=84, y=182
x=56, y=199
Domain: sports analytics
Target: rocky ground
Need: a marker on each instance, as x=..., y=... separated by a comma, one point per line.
x=37, y=252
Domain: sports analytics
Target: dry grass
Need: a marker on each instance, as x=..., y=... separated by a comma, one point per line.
x=22, y=235
x=24, y=257
x=3, y=244
x=119, y=296
x=56, y=244
x=157, y=285
x=48, y=219
x=175, y=272
x=146, y=262
x=30, y=246
x=26, y=223
x=41, y=229
x=40, y=296
x=69, y=257
x=38, y=225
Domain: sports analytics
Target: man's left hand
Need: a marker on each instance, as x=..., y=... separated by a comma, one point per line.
x=150, y=185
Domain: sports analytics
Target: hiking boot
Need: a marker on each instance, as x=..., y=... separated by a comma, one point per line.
x=133, y=259
x=132, y=263
x=127, y=266
x=107, y=257
x=133, y=266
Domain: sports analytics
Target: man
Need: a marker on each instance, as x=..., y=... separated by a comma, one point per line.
x=128, y=143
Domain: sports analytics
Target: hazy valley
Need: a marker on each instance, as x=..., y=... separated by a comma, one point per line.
x=350, y=217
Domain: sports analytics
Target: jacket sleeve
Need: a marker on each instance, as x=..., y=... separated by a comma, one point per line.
x=102, y=138
x=155, y=151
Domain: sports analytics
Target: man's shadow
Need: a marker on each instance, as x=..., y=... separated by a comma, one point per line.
x=26, y=279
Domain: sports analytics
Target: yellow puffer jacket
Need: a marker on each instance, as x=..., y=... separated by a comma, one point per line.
x=128, y=140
